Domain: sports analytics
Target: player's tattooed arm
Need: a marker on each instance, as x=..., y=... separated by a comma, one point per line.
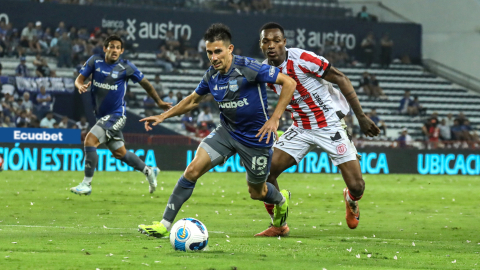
x=153, y=94
x=271, y=126
x=337, y=77
x=187, y=104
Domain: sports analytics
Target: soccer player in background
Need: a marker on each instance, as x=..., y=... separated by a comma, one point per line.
x=237, y=83
x=317, y=112
x=110, y=76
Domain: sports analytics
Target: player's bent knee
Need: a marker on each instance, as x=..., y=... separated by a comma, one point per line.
x=357, y=188
x=91, y=140
x=192, y=172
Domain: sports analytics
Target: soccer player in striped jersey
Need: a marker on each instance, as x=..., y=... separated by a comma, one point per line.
x=108, y=86
x=238, y=85
x=317, y=111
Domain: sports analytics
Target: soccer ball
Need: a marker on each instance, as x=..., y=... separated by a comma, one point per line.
x=1, y=163
x=189, y=234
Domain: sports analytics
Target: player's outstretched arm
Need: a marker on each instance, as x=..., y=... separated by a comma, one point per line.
x=80, y=84
x=335, y=76
x=288, y=87
x=153, y=94
x=187, y=104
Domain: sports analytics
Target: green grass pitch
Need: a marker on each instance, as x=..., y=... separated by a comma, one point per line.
x=407, y=222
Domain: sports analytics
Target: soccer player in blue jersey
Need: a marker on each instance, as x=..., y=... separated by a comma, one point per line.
x=110, y=76
x=238, y=84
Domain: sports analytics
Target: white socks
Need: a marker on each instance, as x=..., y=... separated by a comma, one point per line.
x=167, y=224
x=87, y=180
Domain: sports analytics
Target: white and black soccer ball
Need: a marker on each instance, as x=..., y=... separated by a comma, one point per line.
x=189, y=234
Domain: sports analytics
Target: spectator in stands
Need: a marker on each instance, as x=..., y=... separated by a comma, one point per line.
x=61, y=28
x=44, y=101
x=171, y=41
x=449, y=120
x=48, y=121
x=72, y=34
x=365, y=84
x=54, y=43
x=404, y=102
x=432, y=132
x=383, y=128
x=457, y=131
x=22, y=69
x=386, y=44
x=64, y=122
x=363, y=15
x=187, y=122
x=28, y=38
x=158, y=86
x=163, y=59
x=45, y=39
x=179, y=96
x=7, y=104
x=38, y=60
x=415, y=108
x=83, y=124
x=261, y=6
x=374, y=117
x=7, y=122
x=376, y=90
x=170, y=98
x=445, y=132
x=43, y=70
x=202, y=131
x=64, y=55
x=186, y=48
x=149, y=106
x=467, y=130
x=239, y=5
x=207, y=117
x=461, y=118
x=368, y=48
x=22, y=120
x=343, y=59
x=404, y=140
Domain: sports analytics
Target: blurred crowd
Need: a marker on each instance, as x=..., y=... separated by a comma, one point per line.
x=25, y=110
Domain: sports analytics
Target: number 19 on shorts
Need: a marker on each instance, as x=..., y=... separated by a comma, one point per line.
x=261, y=162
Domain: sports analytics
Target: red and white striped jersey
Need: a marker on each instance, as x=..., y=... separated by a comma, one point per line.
x=315, y=103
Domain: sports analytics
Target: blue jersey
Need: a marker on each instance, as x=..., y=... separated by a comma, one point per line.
x=109, y=84
x=241, y=97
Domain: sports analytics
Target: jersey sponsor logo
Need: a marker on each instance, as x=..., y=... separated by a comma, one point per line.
x=105, y=72
x=105, y=86
x=337, y=137
x=321, y=103
x=300, y=99
x=341, y=149
x=233, y=104
x=271, y=72
x=216, y=88
x=115, y=74
x=233, y=85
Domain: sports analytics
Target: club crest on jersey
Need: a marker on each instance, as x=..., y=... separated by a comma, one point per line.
x=233, y=86
x=114, y=74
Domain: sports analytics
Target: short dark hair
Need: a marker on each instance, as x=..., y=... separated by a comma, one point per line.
x=272, y=25
x=112, y=38
x=218, y=32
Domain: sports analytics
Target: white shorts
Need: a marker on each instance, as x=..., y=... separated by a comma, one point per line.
x=297, y=142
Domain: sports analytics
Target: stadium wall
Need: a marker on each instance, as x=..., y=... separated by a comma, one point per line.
x=148, y=27
x=47, y=157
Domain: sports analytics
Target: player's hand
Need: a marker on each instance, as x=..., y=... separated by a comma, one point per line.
x=154, y=120
x=368, y=127
x=84, y=87
x=268, y=128
x=165, y=106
